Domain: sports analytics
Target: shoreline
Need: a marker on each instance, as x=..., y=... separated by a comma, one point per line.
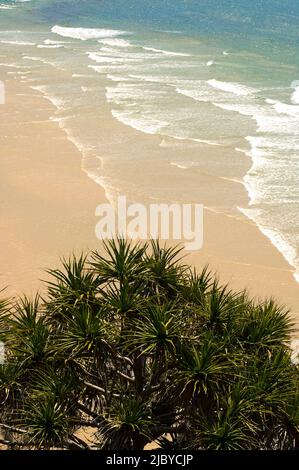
x=48, y=204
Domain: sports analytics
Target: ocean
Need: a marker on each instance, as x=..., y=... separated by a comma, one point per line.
x=197, y=74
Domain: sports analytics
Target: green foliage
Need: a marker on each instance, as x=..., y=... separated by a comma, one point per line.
x=137, y=347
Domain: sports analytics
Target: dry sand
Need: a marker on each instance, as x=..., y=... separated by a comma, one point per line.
x=47, y=207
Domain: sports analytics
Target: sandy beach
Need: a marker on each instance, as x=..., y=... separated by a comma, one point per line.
x=47, y=201
x=48, y=204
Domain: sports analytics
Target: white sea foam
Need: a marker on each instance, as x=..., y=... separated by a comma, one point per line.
x=155, y=79
x=244, y=109
x=235, y=88
x=169, y=53
x=86, y=33
x=110, y=60
x=210, y=62
x=59, y=103
x=81, y=75
x=283, y=108
x=181, y=166
x=18, y=43
x=118, y=78
x=43, y=61
x=168, y=31
x=15, y=66
x=199, y=90
x=270, y=184
x=277, y=239
x=50, y=42
x=144, y=124
x=115, y=42
x=50, y=46
x=199, y=141
x=295, y=95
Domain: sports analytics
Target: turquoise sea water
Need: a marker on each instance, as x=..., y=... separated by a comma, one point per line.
x=224, y=73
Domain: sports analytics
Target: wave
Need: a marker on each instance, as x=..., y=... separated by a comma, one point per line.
x=18, y=43
x=167, y=31
x=6, y=7
x=115, y=42
x=86, y=33
x=199, y=92
x=169, y=53
x=50, y=42
x=210, y=62
x=3, y=6
x=50, y=46
x=283, y=108
x=144, y=124
x=249, y=110
x=43, y=61
x=109, y=60
x=235, y=88
x=118, y=78
x=14, y=66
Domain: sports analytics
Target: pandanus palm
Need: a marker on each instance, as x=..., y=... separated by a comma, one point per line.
x=135, y=346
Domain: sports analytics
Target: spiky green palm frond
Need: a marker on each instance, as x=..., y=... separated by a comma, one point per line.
x=123, y=261
x=73, y=285
x=124, y=300
x=197, y=286
x=270, y=379
x=25, y=315
x=165, y=272
x=266, y=326
x=10, y=385
x=158, y=329
x=129, y=422
x=231, y=424
x=5, y=307
x=47, y=423
x=86, y=334
x=225, y=433
x=202, y=369
x=221, y=307
x=63, y=385
x=28, y=337
x=32, y=349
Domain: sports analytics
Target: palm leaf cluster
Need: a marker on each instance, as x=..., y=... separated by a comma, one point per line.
x=136, y=347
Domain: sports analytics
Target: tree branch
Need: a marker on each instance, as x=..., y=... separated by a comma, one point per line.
x=124, y=376
x=95, y=387
x=12, y=428
x=12, y=443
